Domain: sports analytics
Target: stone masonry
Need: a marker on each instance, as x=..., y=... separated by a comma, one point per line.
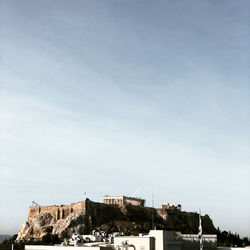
x=58, y=212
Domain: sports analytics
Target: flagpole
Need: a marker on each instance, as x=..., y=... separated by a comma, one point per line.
x=200, y=232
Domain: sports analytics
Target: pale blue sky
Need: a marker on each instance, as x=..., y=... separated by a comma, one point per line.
x=106, y=97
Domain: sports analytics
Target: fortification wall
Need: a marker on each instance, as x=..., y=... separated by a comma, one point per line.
x=162, y=213
x=58, y=212
x=134, y=201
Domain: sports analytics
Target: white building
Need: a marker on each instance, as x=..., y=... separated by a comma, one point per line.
x=165, y=240
x=134, y=242
x=155, y=240
x=42, y=247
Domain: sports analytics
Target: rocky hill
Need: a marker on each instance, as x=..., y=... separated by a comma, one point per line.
x=127, y=219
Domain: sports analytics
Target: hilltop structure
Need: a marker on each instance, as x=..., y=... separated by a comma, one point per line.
x=171, y=206
x=115, y=214
x=62, y=211
x=123, y=200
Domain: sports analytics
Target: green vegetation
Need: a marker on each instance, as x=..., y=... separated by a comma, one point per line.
x=48, y=239
x=228, y=239
x=4, y=237
x=7, y=244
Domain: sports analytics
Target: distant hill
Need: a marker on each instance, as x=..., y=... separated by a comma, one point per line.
x=128, y=219
x=4, y=237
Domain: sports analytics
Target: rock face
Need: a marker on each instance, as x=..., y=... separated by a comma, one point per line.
x=75, y=222
x=38, y=226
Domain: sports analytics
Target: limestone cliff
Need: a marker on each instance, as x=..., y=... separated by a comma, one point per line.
x=39, y=225
x=36, y=227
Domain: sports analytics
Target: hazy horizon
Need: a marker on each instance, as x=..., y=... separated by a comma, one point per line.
x=110, y=97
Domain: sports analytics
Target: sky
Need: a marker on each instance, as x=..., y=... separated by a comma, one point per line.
x=134, y=97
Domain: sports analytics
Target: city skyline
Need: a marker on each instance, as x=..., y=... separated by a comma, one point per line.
x=111, y=97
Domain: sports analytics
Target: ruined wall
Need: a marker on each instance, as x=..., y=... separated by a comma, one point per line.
x=134, y=201
x=33, y=211
x=58, y=212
